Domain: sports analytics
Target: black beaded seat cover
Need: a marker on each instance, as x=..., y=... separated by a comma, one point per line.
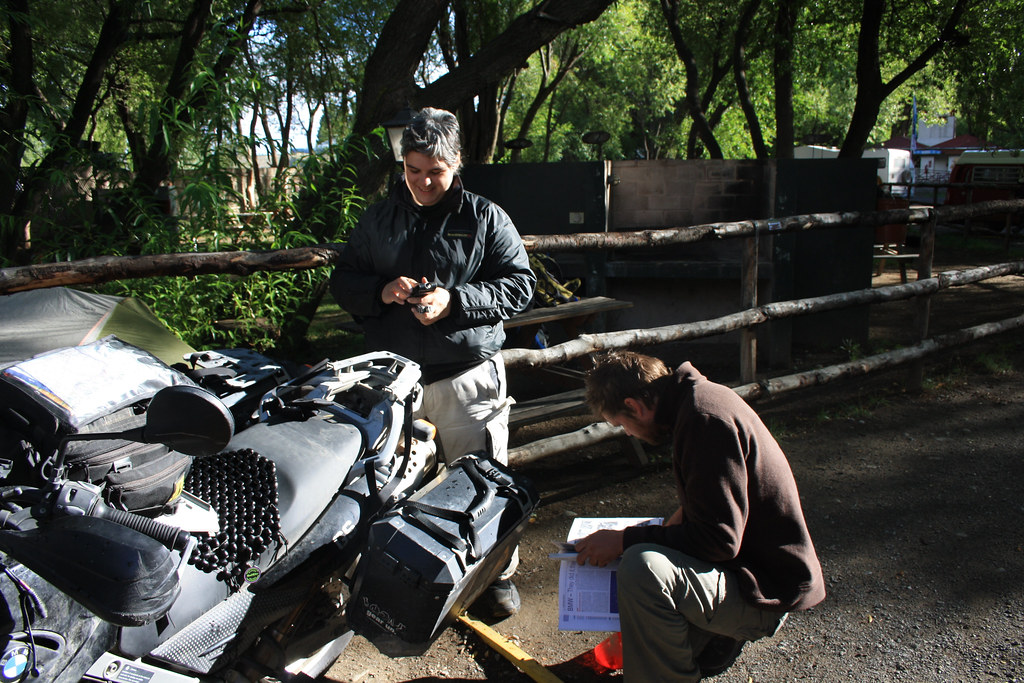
x=242, y=487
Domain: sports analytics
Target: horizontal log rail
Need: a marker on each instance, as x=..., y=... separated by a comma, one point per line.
x=714, y=231
x=191, y=264
x=780, y=385
x=590, y=343
x=102, y=269
x=771, y=388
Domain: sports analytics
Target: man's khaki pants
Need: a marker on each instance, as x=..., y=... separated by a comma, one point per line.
x=471, y=411
x=671, y=604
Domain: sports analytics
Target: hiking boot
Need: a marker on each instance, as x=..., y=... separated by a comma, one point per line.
x=499, y=601
x=718, y=655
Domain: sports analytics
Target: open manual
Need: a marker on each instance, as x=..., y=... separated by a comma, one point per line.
x=587, y=595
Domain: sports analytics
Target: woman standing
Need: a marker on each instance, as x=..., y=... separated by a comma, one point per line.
x=430, y=230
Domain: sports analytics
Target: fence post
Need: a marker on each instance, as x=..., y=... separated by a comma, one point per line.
x=748, y=300
x=922, y=310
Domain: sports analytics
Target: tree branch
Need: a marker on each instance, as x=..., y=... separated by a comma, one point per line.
x=670, y=9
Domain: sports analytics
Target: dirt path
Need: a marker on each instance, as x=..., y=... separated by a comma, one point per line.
x=914, y=502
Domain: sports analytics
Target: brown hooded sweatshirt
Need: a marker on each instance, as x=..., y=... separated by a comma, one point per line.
x=741, y=507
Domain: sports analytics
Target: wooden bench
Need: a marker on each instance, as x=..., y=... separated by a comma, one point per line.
x=573, y=315
x=885, y=252
x=580, y=310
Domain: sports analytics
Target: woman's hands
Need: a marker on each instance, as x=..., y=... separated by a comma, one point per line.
x=428, y=308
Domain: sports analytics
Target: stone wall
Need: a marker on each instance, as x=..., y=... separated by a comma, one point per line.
x=694, y=282
x=679, y=193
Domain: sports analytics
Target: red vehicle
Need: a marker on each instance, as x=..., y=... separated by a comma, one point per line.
x=988, y=176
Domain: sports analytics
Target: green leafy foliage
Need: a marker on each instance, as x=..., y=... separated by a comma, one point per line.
x=254, y=310
x=213, y=310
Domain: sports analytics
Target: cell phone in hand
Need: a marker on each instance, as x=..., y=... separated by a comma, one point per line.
x=422, y=288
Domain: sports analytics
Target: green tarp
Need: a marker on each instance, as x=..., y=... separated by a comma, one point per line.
x=45, y=319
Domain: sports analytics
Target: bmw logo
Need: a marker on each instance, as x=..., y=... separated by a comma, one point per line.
x=14, y=662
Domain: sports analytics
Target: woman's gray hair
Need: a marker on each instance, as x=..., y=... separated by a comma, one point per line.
x=434, y=133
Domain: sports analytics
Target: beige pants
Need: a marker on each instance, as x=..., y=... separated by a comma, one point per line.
x=470, y=412
x=670, y=605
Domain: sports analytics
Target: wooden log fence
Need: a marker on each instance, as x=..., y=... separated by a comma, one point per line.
x=771, y=388
x=586, y=344
x=99, y=270
x=109, y=268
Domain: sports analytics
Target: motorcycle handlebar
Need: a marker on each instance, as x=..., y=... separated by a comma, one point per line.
x=83, y=498
x=173, y=537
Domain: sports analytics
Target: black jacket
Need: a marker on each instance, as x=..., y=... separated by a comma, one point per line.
x=467, y=245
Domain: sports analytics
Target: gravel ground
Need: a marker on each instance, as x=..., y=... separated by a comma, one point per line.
x=914, y=502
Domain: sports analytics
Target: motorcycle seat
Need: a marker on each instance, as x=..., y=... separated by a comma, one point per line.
x=312, y=458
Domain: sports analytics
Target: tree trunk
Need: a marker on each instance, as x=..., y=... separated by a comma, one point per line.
x=112, y=35
x=548, y=85
x=782, y=67
x=13, y=117
x=701, y=127
x=871, y=90
x=480, y=126
x=156, y=164
x=740, y=75
x=388, y=83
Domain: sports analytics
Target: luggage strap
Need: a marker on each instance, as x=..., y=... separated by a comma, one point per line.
x=386, y=491
x=479, y=472
x=417, y=515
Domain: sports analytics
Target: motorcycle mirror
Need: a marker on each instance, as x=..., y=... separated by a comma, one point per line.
x=183, y=417
x=188, y=419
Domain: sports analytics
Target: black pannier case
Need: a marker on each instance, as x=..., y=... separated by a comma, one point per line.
x=428, y=559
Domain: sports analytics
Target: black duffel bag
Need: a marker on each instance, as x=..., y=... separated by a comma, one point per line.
x=95, y=388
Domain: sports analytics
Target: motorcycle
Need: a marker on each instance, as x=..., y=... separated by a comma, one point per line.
x=276, y=552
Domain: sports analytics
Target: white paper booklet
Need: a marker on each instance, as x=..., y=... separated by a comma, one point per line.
x=587, y=595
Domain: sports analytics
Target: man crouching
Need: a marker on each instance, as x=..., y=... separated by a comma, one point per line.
x=735, y=558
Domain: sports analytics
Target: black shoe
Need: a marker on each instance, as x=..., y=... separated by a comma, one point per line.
x=499, y=601
x=718, y=655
